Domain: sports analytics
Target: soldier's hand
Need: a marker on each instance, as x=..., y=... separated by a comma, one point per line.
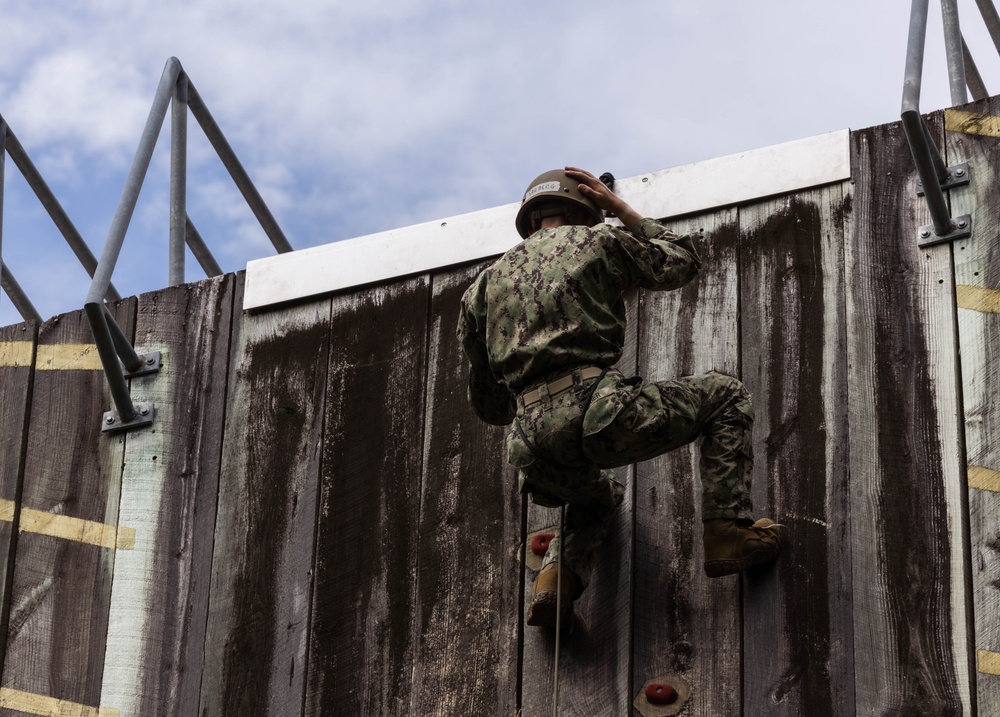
x=595, y=190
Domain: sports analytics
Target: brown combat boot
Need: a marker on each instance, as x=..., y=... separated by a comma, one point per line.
x=731, y=548
x=542, y=610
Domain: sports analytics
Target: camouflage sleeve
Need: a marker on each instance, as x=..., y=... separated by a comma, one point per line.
x=659, y=259
x=490, y=399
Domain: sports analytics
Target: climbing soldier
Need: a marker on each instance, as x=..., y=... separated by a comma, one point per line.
x=542, y=328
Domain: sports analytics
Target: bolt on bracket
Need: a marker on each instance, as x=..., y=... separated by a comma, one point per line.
x=144, y=414
x=150, y=363
x=961, y=227
x=958, y=176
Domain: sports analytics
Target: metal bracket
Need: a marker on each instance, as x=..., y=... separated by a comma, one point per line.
x=144, y=414
x=151, y=363
x=958, y=176
x=961, y=228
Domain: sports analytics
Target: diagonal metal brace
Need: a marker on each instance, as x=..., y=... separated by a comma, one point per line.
x=118, y=357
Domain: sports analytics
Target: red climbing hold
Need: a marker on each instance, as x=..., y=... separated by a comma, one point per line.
x=540, y=543
x=661, y=694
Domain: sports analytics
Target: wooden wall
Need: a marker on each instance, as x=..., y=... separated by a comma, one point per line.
x=317, y=524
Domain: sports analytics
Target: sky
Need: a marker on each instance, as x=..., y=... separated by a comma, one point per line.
x=354, y=117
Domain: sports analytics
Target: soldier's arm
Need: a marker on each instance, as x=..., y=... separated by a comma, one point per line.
x=490, y=399
x=659, y=258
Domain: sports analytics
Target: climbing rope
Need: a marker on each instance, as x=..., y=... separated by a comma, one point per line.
x=555, y=670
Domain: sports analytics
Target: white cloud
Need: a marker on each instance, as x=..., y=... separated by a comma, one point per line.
x=353, y=117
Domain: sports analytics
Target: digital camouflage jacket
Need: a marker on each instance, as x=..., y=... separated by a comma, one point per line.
x=554, y=303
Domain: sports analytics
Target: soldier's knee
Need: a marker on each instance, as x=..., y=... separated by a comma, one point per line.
x=731, y=390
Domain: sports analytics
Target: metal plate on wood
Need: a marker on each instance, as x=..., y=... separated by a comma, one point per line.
x=962, y=229
x=144, y=414
x=151, y=363
x=958, y=176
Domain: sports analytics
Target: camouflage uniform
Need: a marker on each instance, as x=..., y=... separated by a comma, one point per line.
x=552, y=306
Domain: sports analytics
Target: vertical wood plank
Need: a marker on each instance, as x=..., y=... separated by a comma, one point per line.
x=258, y=623
x=17, y=358
x=977, y=276
x=468, y=578
x=911, y=629
x=62, y=588
x=595, y=674
x=798, y=629
x=159, y=597
x=361, y=645
x=685, y=623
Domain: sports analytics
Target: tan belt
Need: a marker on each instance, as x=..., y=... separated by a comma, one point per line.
x=558, y=385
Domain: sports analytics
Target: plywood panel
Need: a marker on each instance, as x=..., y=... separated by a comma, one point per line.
x=362, y=641
x=255, y=652
x=17, y=357
x=684, y=623
x=62, y=586
x=467, y=574
x=159, y=596
x=972, y=137
x=798, y=630
x=907, y=476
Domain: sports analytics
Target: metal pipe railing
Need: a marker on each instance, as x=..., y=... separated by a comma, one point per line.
x=989, y=12
x=114, y=348
x=17, y=296
x=934, y=174
x=178, y=181
x=972, y=77
x=54, y=209
x=953, y=50
x=208, y=263
x=236, y=171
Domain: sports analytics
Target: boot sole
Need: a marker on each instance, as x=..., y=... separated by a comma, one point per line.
x=543, y=608
x=720, y=568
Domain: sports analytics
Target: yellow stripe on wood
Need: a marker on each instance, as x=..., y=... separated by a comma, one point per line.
x=984, y=479
x=989, y=662
x=64, y=357
x=971, y=123
x=977, y=298
x=67, y=528
x=16, y=353
x=33, y=704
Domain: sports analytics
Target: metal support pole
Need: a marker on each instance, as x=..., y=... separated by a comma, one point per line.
x=123, y=347
x=236, y=171
x=989, y=12
x=208, y=263
x=133, y=183
x=953, y=49
x=917, y=136
x=54, y=209
x=109, y=359
x=17, y=296
x=178, y=181
x=972, y=76
x=3, y=161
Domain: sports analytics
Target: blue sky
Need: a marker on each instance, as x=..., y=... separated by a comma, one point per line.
x=354, y=117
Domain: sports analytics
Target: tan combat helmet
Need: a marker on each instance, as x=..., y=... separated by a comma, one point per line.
x=551, y=188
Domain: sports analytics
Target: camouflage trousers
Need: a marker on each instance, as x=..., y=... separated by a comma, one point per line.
x=565, y=445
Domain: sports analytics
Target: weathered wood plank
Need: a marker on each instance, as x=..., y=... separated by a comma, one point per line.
x=911, y=623
x=62, y=588
x=594, y=659
x=972, y=138
x=17, y=353
x=159, y=597
x=361, y=644
x=467, y=575
x=258, y=623
x=684, y=623
x=798, y=623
